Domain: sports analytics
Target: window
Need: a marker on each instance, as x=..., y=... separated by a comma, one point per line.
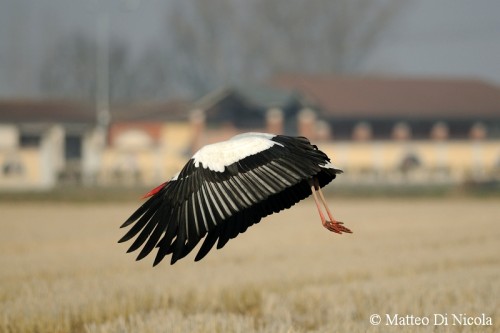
x=30, y=140
x=12, y=166
x=73, y=147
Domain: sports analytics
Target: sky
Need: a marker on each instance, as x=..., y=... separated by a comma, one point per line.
x=29, y=29
x=442, y=38
x=457, y=38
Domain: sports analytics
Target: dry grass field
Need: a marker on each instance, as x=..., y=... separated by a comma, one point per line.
x=63, y=271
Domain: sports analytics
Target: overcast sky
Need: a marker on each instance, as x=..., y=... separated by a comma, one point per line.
x=427, y=38
x=442, y=37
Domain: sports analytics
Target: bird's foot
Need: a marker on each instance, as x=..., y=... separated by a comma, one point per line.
x=337, y=227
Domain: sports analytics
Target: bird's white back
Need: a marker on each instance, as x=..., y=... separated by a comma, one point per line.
x=219, y=155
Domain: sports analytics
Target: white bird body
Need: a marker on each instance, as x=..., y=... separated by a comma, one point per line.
x=218, y=155
x=227, y=187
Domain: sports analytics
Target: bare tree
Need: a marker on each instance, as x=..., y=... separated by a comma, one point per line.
x=148, y=77
x=321, y=35
x=226, y=41
x=70, y=71
x=208, y=44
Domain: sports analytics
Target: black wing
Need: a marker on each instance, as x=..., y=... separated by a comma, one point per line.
x=220, y=205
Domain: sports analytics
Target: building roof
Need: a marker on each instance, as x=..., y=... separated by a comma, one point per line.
x=257, y=96
x=172, y=110
x=66, y=111
x=381, y=97
x=45, y=111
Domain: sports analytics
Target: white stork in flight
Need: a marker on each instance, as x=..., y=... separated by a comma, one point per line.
x=225, y=188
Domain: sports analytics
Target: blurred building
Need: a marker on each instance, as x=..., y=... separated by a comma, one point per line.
x=379, y=130
x=405, y=130
x=44, y=142
x=147, y=144
x=246, y=108
x=389, y=105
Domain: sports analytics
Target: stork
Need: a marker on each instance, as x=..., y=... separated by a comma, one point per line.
x=227, y=187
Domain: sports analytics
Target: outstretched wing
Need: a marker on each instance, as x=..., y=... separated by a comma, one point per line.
x=220, y=200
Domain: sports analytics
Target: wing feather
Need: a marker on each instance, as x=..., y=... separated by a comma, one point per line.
x=145, y=233
x=239, y=193
x=154, y=238
x=201, y=211
x=208, y=243
x=146, y=212
x=211, y=220
x=227, y=196
x=215, y=201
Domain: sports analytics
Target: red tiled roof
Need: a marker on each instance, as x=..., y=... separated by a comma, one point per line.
x=396, y=97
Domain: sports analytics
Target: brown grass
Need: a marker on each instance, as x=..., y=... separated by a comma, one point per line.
x=62, y=271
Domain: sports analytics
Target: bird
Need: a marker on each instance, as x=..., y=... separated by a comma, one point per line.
x=225, y=188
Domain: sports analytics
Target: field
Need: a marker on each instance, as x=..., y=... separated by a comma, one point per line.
x=63, y=271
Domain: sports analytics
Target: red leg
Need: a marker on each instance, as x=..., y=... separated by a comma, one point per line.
x=323, y=220
x=316, y=185
x=332, y=225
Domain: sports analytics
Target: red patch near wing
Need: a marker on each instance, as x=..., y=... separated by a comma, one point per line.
x=154, y=191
